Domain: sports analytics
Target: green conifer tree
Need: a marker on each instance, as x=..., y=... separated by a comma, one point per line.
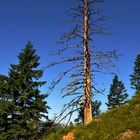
x=117, y=95
x=5, y=107
x=29, y=105
x=135, y=77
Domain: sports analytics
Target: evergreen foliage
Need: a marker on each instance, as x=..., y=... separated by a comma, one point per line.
x=117, y=96
x=135, y=77
x=95, y=111
x=28, y=104
x=5, y=107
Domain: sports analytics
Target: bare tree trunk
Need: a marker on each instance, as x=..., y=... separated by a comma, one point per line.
x=87, y=77
x=79, y=81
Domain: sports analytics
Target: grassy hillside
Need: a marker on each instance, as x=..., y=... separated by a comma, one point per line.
x=112, y=125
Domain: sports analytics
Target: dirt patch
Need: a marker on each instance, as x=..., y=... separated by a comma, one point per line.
x=69, y=136
x=127, y=134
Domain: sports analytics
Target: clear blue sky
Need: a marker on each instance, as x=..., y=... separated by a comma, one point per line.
x=38, y=21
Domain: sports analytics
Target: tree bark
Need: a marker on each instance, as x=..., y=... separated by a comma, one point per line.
x=87, y=77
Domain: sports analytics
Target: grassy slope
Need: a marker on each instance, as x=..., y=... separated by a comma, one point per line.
x=108, y=125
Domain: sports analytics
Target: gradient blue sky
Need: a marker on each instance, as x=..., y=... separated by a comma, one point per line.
x=38, y=21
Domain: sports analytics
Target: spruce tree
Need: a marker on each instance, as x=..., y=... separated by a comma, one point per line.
x=29, y=105
x=5, y=108
x=135, y=77
x=117, y=95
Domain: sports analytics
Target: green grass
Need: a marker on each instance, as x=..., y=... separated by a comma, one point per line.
x=108, y=125
x=58, y=134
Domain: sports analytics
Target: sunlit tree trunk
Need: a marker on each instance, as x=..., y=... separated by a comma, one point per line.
x=87, y=78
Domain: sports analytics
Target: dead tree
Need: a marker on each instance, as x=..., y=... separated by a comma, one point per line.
x=87, y=21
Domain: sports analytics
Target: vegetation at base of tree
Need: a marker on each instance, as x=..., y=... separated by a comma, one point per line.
x=109, y=125
x=95, y=111
x=58, y=134
x=117, y=95
x=135, y=77
x=22, y=106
